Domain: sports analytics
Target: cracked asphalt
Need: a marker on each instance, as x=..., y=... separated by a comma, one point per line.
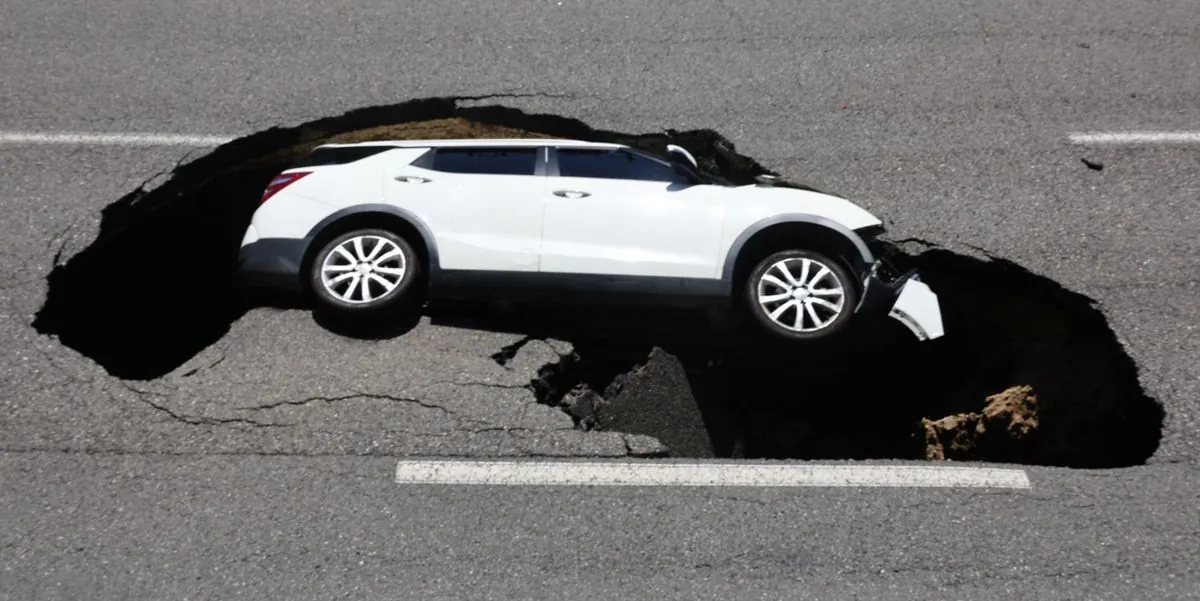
x=262, y=467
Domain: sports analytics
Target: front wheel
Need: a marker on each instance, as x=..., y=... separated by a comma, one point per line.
x=801, y=295
x=364, y=271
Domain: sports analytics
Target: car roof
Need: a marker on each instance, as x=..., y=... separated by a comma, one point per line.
x=478, y=142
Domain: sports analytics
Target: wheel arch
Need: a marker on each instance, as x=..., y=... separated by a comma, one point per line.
x=381, y=216
x=774, y=233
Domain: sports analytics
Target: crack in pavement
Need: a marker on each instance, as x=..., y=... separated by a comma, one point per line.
x=61, y=240
x=193, y=420
x=920, y=241
x=463, y=424
x=528, y=387
x=509, y=351
x=496, y=95
x=196, y=370
x=521, y=429
x=346, y=397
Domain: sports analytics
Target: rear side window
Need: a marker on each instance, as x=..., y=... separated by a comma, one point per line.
x=338, y=156
x=613, y=164
x=490, y=161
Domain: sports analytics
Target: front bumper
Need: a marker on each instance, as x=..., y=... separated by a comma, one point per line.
x=904, y=298
x=918, y=309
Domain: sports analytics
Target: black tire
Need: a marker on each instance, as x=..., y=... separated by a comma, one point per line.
x=381, y=299
x=761, y=313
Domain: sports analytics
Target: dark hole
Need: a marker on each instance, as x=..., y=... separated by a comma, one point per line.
x=156, y=287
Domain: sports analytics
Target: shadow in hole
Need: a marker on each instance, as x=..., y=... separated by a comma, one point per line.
x=715, y=392
x=157, y=286
x=642, y=324
x=400, y=325
x=718, y=391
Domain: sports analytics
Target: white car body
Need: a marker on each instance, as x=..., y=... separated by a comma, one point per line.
x=627, y=234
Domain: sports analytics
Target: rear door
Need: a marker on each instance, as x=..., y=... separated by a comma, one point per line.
x=482, y=204
x=618, y=212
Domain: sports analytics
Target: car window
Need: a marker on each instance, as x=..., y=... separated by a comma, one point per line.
x=491, y=161
x=614, y=164
x=338, y=155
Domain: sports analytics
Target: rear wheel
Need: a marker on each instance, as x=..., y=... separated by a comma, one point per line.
x=364, y=271
x=801, y=294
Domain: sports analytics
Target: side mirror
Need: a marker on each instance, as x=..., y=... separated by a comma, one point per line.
x=685, y=176
x=687, y=156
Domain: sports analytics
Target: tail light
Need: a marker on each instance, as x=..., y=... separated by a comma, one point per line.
x=280, y=182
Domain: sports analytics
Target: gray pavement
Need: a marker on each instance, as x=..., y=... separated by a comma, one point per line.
x=950, y=121
x=154, y=527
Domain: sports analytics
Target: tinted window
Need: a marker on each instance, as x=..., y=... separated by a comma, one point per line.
x=614, y=164
x=492, y=161
x=338, y=155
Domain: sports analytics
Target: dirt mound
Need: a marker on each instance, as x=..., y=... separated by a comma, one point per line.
x=997, y=433
x=882, y=394
x=433, y=129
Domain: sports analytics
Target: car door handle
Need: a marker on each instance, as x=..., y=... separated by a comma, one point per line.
x=412, y=179
x=570, y=193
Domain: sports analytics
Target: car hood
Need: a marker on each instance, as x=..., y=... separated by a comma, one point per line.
x=778, y=181
x=799, y=199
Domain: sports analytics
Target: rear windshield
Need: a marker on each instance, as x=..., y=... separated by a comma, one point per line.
x=338, y=155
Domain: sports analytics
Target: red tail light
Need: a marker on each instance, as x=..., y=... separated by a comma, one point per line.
x=280, y=182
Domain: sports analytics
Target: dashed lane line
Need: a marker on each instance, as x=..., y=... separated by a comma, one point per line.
x=1137, y=137
x=168, y=139
x=701, y=473
x=112, y=139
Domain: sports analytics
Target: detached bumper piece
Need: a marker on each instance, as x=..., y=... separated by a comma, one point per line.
x=905, y=298
x=918, y=309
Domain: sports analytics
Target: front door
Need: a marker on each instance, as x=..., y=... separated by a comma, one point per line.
x=482, y=204
x=616, y=212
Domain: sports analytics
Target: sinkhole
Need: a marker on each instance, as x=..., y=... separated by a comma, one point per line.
x=1029, y=372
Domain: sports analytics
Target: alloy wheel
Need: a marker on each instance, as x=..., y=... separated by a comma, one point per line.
x=801, y=294
x=363, y=269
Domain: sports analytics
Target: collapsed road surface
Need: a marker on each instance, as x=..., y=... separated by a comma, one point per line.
x=1030, y=372
x=253, y=455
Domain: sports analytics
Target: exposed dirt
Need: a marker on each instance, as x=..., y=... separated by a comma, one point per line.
x=434, y=129
x=1005, y=425
x=1028, y=372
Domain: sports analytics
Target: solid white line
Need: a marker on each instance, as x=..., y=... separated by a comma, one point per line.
x=1137, y=137
x=648, y=473
x=128, y=139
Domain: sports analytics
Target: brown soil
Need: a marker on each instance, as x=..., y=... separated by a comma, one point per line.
x=1007, y=421
x=434, y=129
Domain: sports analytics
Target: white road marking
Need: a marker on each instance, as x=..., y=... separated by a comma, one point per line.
x=1137, y=137
x=724, y=474
x=112, y=139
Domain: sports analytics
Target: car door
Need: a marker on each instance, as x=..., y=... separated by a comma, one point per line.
x=613, y=211
x=483, y=205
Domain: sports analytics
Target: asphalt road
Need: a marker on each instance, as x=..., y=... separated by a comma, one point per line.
x=949, y=121
x=139, y=527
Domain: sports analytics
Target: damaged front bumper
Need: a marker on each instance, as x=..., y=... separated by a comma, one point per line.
x=902, y=296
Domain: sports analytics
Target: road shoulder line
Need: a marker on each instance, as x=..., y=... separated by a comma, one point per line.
x=701, y=473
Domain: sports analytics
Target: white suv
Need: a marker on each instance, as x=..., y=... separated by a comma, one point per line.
x=366, y=227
